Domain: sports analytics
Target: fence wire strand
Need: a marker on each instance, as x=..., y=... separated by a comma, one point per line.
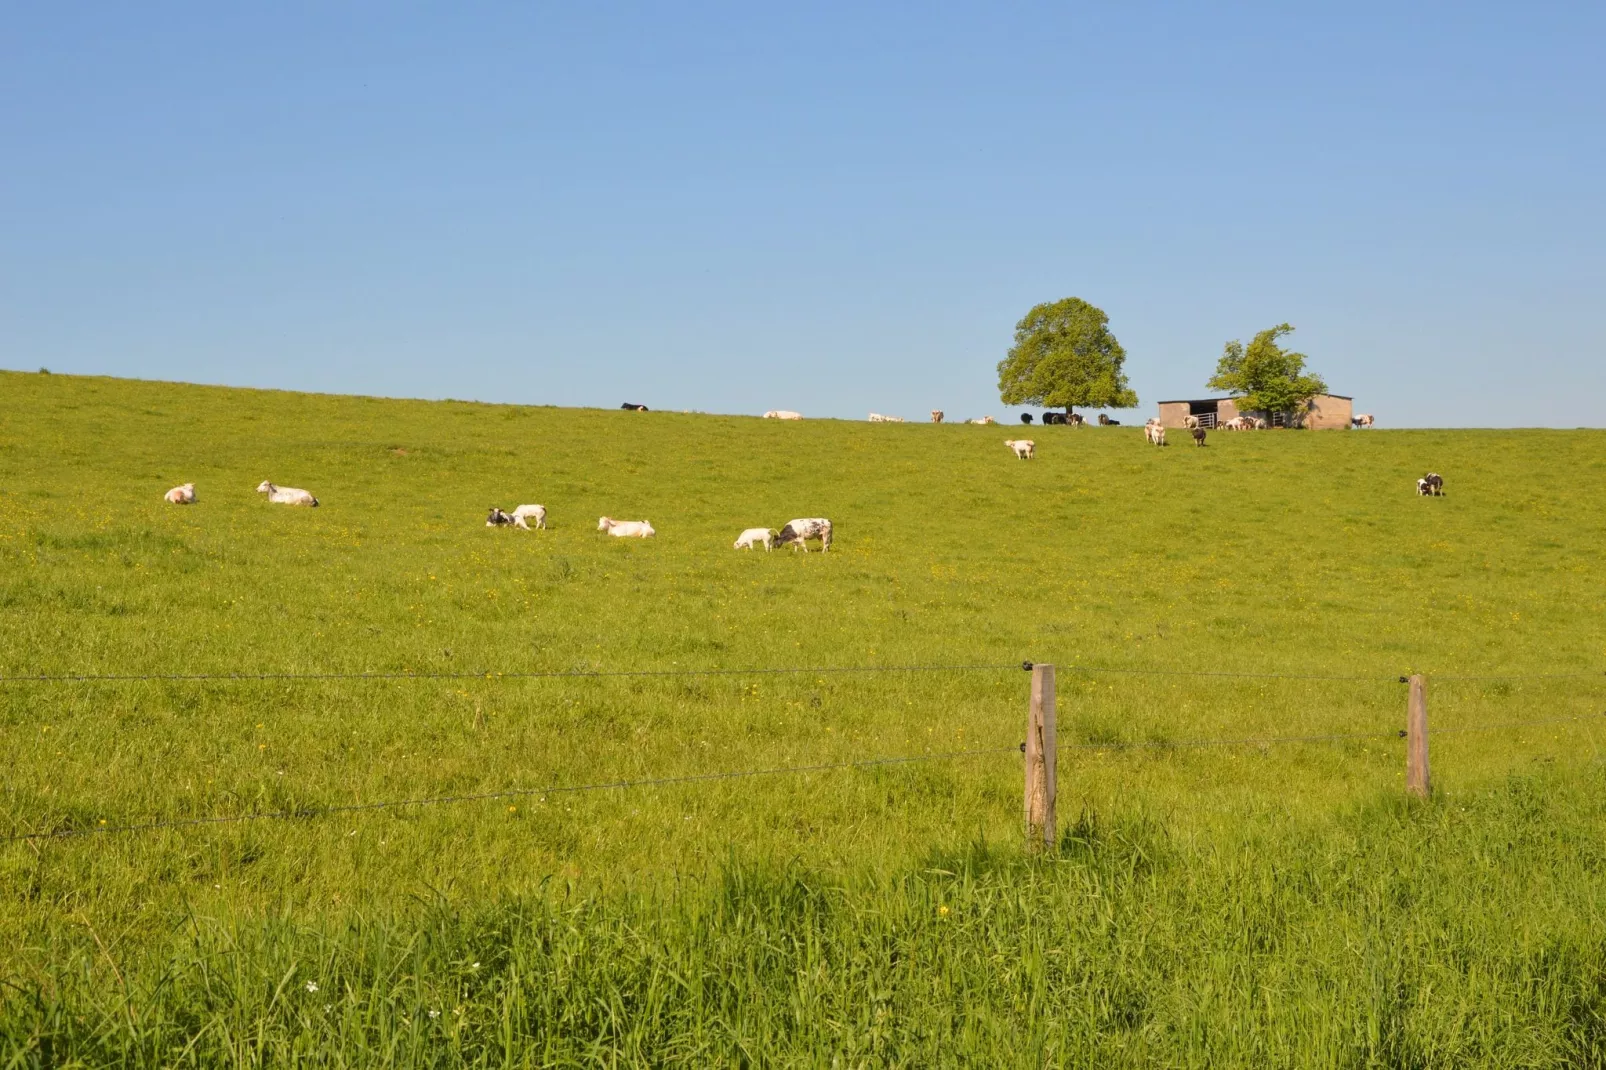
x=310, y=812
x=582, y=674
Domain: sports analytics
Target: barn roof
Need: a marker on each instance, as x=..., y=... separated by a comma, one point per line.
x=1195, y=401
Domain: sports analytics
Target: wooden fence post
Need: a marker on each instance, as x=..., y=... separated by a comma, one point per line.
x=1040, y=754
x=1416, y=739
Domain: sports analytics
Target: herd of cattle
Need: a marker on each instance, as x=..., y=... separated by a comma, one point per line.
x=800, y=532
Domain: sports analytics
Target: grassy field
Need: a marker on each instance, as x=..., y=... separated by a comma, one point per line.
x=1256, y=905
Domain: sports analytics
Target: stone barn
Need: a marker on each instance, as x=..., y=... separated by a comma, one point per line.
x=1327, y=411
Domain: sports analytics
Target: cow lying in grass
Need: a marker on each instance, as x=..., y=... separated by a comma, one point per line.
x=181, y=495
x=626, y=529
x=286, y=495
x=799, y=532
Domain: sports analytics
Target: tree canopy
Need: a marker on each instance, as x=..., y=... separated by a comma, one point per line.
x=1264, y=376
x=1064, y=355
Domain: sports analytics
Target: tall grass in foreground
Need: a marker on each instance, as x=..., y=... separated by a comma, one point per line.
x=1395, y=934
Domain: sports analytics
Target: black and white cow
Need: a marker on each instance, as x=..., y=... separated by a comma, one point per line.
x=497, y=518
x=633, y=407
x=1431, y=485
x=799, y=532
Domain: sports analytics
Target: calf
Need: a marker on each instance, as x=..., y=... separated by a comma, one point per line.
x=525, y=513
x=181, y=495
x=799, y=532
x=755, y=536
x=1431, y=485
x=497, y=518
x=1024, y=448
x=1154, y=431
x=936, y=416
x=1198, y=436
x=1190, y=421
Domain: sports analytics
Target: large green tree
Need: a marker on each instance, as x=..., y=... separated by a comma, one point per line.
x=1265, y=377
x=1064, y=355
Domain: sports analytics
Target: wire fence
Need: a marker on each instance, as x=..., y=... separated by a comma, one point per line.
x=311, y=812
x=593, y=674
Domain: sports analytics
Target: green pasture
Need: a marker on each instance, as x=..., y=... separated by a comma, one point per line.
x=1256, y=904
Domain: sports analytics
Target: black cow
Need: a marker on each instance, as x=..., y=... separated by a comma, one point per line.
x=1026, y=418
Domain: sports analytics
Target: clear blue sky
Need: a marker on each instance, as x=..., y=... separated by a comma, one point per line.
x=828, y=208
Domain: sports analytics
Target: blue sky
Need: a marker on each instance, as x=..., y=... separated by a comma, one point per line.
x=835, y=209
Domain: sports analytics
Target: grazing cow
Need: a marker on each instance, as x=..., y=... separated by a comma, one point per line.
x=1198, y=436
x=181, y=495
x=1258, y=423
x=1025, y=417
x=799, y=532
x=937, y=415
x=754, y=536
x=1190, y=421
x=1075, y=419
x=633, y=407
x=1363, y=420
x=1154, y=431
x=1431, y=485
x=525, y=513
x=626, y=529
x=1106, y=421
x=497, y=518
x=1024, y=448
x=783, y=414
x=286, y=495
x=1237, y=423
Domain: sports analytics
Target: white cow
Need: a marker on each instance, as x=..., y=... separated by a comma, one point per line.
x=877, y=418
x=755, y=536
x=798, y=532
x=937, y=415
x=626, y=529
x=1237, y=423
x=286, y=495
x=783, y=414
x=1154, y=431
x=1363, y=420
x=1190, y=421
x=525, y=513
x=1258, y=423
x=983, y=420
x=1024, y=448
x=181, y=495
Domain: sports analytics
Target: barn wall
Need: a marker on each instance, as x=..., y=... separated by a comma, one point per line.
x=1172, y=413
x=1328, y=413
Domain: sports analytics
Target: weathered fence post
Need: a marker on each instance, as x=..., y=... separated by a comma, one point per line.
x=1040, y=752
x=1416, y=739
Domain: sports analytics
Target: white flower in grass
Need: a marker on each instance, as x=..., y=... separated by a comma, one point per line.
x=434, y=1014
x=475, y=966
x=312, y=986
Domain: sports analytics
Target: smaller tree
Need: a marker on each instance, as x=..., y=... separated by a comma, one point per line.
x=1064, y=355
x=1265, y=377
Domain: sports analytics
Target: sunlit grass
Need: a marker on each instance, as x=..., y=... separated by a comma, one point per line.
x=1279, y=886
